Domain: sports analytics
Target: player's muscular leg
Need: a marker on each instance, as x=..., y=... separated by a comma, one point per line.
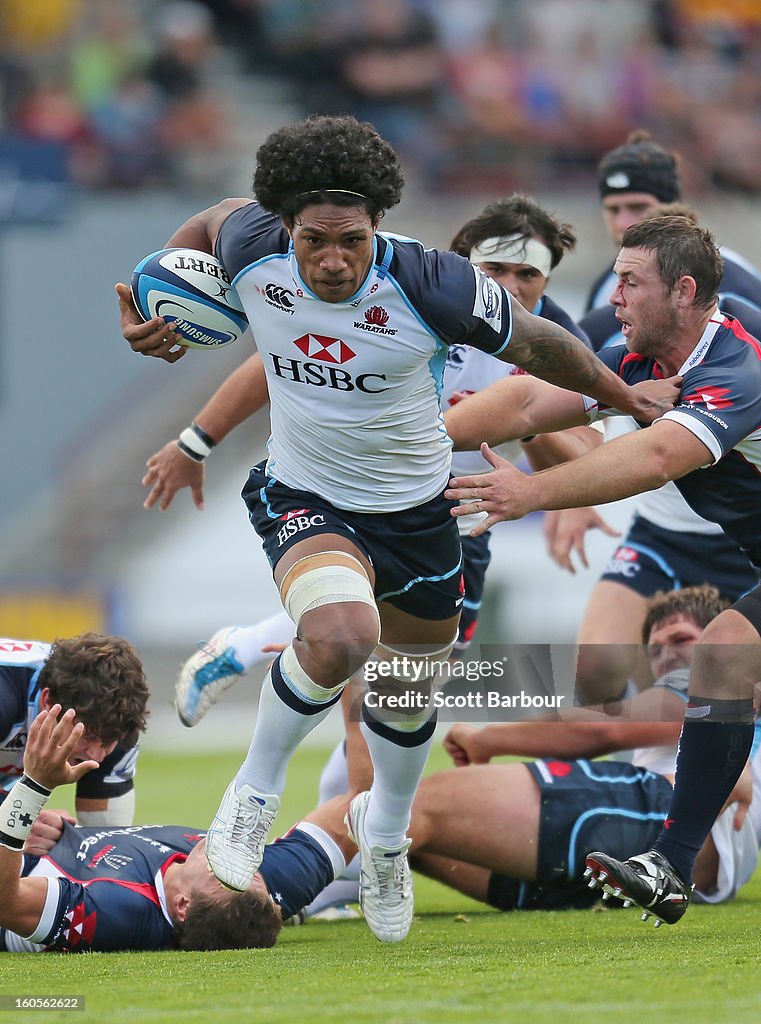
x=609, y=641
x=496, y=824
x=336, y=635
x=424, y=643
x=727, y=660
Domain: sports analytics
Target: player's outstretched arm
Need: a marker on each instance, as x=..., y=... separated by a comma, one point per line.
x=50, y=743
x=546, y=350
x=628, y=465
x=652, y=718
x=170, y=469
x=511, y=408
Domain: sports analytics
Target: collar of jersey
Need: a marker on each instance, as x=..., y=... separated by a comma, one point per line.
x=700, y=351
x=352, y=298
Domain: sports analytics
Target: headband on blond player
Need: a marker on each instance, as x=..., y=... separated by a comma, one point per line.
x=514, y=249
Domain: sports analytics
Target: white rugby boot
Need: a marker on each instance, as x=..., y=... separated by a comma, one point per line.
x=385, y=880
x=236, y=838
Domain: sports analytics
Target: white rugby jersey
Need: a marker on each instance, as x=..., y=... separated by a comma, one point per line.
x=355, y=386
x=469, y=370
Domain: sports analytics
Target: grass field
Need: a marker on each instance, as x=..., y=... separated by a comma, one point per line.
x=461, y=961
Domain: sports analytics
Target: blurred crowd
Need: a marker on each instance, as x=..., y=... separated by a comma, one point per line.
x=494, y=93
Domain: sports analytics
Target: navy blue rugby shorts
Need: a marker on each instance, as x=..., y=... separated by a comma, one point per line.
x=415, y=553
x=651, y=558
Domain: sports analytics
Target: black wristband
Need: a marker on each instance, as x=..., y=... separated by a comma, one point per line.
x=201, y=434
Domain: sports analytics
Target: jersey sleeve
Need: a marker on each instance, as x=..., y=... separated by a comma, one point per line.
x=114, y=777
x=455, y=299
x=248, y=235
x=719, y=405
x=99, y=916
x=297, y=867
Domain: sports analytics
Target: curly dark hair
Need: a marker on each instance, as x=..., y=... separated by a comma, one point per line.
x=701, y=604
x=102, y=678
x=244, y=920
x=682, y=248
x=518, y=215
x=296, y=164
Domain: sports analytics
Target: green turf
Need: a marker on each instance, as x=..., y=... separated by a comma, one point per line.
x=461, y=962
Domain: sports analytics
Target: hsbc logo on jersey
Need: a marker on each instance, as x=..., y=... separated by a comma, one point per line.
x=376, y=318
x=710, y=397
x=324, y=369
x=326, y=350
x=297, y=522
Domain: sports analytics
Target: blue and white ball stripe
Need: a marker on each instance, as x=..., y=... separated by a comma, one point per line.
x=191, y=290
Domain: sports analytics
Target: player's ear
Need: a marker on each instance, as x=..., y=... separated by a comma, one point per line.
x=180, y=906
x=687, y=288
x=45, y=701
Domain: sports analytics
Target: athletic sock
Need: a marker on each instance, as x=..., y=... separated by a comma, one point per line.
x=715, y=744
x=335, y=894
x=247, y=641
x=398, y=758
x=286, y=715
x=334, y=779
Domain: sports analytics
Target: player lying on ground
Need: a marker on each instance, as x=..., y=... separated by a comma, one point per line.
x=521, y=831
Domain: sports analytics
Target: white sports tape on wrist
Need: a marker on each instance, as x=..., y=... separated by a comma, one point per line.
x=340, y=578
x=20, y=810
x=191, y=440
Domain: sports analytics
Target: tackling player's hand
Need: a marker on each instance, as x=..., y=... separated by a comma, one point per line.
x=654, y=398
x=504, y=494
x=148, y=337
x=461, y=743
x=168, y=472
x=46, y=831
x=49, y=746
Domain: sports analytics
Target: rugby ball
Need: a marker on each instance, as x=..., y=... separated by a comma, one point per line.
x=191, y=290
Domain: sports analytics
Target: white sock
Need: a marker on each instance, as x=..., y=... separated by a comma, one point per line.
x=335, y=775
x=247, y=641
x=351, y=872
x=397, y=773
x=336, y=894
x=280, y=726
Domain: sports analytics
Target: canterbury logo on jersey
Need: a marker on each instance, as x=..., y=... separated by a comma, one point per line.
x=326, y=373
x=278, y=296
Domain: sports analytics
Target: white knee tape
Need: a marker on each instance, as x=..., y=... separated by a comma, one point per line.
x=328, y=584
x=419, y=667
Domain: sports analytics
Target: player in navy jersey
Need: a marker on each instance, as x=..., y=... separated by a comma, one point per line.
x=667, y=544
x=668, y=277
x=353, y=330
x=135, y=887
x=102, y=678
